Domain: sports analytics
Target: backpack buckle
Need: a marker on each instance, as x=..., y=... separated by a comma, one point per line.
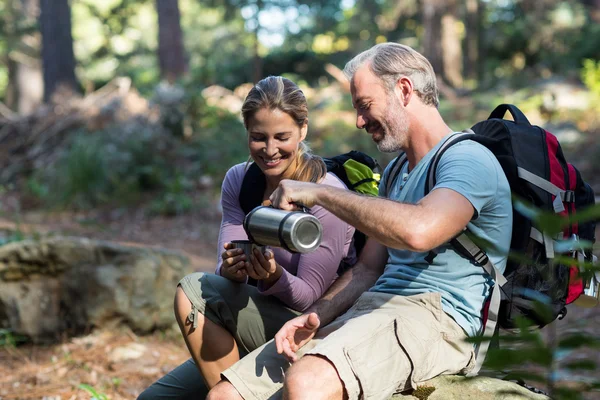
x=481, y=258
x=568, y=196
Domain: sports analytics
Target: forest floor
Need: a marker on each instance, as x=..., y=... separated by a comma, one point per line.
x=113, y=363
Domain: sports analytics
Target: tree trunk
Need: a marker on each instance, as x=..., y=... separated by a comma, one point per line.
x=58, y=59
x=29, y=76
x=451, y=46
x=11, y=94
x=472, y=39
x=171, y=52
x=257, y=70
x=432, y=40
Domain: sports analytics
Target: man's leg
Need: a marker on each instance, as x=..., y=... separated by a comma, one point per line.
x=312, y=378
x=212, y=347
x=224, y=391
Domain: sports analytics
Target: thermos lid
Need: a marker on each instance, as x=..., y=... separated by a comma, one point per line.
x=306, y=233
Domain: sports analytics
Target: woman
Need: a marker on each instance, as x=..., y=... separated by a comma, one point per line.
x=219, y=316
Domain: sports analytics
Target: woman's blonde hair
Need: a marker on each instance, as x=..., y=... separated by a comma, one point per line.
x=276, y=92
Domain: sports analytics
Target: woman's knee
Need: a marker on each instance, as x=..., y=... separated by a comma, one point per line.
x=182, y=305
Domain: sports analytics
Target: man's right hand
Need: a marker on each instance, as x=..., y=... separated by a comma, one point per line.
x=296, y=333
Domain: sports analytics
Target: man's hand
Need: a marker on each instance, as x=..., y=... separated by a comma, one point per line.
x=296, y=333
x=233, y=266
x=289, y=194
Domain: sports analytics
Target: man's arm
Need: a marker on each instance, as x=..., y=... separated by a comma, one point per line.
x=348, y=287
x=436, y=219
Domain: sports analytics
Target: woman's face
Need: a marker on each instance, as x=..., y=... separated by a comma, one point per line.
x=273, y=140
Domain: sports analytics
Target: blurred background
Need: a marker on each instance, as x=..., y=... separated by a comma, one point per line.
x=119, y=119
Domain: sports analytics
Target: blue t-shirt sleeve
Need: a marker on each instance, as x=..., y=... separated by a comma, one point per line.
x=469, y=169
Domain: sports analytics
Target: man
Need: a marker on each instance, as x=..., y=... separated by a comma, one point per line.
x=400, y=316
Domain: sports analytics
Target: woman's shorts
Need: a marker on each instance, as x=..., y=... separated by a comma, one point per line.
x=252, y=318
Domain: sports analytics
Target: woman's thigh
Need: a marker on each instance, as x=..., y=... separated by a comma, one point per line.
x=252, y=318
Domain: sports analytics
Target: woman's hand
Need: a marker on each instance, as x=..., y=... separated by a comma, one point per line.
x=263, y=267
x=233, y=266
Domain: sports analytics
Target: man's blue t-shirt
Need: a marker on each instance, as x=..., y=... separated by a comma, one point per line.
x=473, y=171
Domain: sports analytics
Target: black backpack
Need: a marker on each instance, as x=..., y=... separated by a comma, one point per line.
x=359, y=172
x=538, y=174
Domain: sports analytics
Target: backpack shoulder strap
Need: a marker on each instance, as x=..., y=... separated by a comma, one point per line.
x=253, y=188
x=476, y=254
x=394, y=171
x=466, y=247
x=452, y=140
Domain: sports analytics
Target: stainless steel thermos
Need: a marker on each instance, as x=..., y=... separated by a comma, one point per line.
x=295, y=231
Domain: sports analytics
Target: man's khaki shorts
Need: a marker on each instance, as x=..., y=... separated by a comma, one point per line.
x=384, y=344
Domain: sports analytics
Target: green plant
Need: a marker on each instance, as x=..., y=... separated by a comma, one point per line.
x=174, y=200
x=10, y=339
x=590, y=75
x=546, y=359
x=82, y=175
x=93, y=392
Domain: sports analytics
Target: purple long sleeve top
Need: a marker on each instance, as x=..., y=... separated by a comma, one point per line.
x=305, y=276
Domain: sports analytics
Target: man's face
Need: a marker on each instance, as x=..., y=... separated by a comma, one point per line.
x=378, y=111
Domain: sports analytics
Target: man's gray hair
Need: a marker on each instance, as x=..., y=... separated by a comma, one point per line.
x=391, y=61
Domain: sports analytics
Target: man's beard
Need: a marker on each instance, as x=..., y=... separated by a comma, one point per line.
x=394, y=126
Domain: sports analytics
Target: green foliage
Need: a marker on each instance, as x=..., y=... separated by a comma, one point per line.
x=219, y=140
x=590, y=75
x=174, y=199
x=525, y=350
x=113, y=165
x=93, y=392
x=10, y=339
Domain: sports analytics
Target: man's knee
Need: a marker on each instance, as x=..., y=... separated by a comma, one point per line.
x=223, y=391
x=312, y=377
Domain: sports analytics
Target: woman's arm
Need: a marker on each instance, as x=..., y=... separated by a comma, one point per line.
x=233, y=216
x=317, y=270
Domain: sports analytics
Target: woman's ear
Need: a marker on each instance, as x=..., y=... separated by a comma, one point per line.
x=304, y=131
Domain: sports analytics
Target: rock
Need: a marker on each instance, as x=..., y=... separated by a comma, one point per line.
x=131, y=351
x=63, y=284
x=452, y=387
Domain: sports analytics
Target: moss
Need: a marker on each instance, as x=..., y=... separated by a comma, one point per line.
x=423, y=392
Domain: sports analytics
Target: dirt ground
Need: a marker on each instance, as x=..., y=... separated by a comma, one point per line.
x=115, y=363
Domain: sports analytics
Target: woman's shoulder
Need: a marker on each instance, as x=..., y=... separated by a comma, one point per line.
x=331, y=179
x=235, y=174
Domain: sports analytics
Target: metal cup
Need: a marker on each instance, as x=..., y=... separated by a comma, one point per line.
x=248, y=247
x=295, y=231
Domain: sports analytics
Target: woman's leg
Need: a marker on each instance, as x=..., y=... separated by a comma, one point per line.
x=183, y=383
x=212, y=347
x=220, y=319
